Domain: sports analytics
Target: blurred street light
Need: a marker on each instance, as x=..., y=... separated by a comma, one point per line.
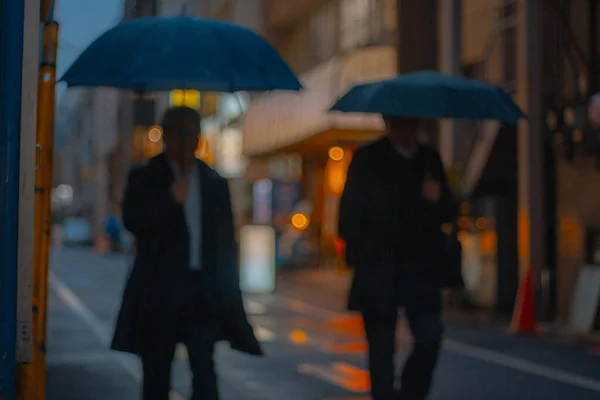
x=155, y=134
x=300, y=221
x=336, y=153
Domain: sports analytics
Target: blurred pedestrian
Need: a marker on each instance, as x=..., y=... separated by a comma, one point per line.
x=113, y=231
x=184, y=286
x=392, y=209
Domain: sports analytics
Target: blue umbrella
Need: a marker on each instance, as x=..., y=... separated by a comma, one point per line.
x=431, y=95
x=167, y=53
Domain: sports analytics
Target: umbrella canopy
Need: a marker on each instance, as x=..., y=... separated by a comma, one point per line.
x=431, y=95
x=166, y=53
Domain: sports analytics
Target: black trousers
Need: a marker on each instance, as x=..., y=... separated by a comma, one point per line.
x=417, y=375
x=198, y=330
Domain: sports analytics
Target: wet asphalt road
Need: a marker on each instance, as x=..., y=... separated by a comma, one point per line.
x=314, y=350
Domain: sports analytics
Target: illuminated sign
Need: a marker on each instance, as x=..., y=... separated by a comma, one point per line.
x=188, y=98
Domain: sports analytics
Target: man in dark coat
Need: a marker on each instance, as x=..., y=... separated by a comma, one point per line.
x=184, y=285
x=394, y=204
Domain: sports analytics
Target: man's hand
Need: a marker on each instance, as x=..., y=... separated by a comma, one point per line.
x=431, y=190
x=179, y=190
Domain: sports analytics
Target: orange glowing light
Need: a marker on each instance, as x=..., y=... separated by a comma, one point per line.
x=155, y=134
x=300, y=221
x=204, y=150
x=298, y=336
x=336, y=153
x=463, y=223
x=481, y=223
x=488, y=244
x=347, y=348
x=336, y=170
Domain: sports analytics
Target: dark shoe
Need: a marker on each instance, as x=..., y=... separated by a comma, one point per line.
x=399, y=395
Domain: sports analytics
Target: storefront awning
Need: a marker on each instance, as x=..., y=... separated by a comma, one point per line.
x=279, y=121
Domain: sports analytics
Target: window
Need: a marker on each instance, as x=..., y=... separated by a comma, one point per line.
x=348, y=24
x=362, y=22
x=324, y=31
x=355, y=23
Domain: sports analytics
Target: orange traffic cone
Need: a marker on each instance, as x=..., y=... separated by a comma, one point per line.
x=524, y=319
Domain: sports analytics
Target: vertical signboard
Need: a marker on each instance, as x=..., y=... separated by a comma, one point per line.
x=586, y=299
x=257, y=259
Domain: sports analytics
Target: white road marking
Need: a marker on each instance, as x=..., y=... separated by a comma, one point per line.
x=521, y=365
x=102, y=331
x=478, y=353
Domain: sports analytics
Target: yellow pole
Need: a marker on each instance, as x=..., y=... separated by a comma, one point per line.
x=33, y=385
x=32, y=377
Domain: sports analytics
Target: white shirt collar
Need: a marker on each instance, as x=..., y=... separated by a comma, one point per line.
x=407, y=153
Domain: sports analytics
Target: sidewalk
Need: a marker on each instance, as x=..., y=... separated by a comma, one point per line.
x=79, y=365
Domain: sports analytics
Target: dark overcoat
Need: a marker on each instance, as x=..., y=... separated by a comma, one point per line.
x=159, y=273
x=394, y=238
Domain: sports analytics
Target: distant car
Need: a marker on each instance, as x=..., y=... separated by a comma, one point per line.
x=77, y=232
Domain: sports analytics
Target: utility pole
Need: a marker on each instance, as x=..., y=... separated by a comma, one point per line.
x=12, y=15
x=417, y=43
x=417, y=35
x=450, y=48
x=36, y=385
x=531, y=202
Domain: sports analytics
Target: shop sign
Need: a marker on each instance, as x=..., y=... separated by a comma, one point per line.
x=188, y=98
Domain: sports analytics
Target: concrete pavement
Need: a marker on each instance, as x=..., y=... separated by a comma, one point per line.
x=314, y=349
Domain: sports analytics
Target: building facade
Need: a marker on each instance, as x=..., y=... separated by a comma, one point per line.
x=84, y=157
